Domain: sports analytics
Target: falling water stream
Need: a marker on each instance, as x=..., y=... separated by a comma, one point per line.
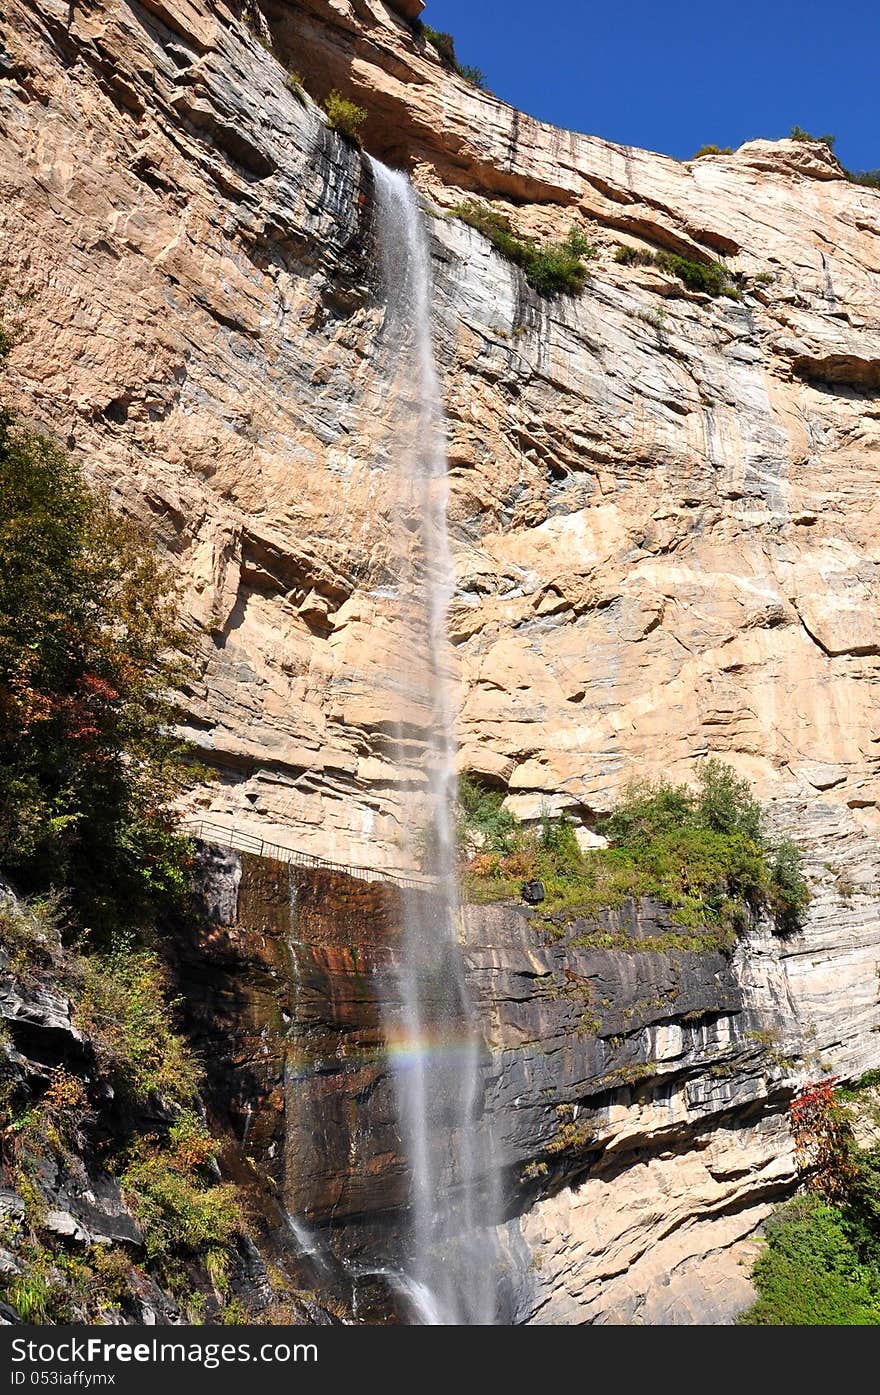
x=449, y=1273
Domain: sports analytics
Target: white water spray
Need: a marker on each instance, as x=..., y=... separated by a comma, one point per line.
x=450, y=1267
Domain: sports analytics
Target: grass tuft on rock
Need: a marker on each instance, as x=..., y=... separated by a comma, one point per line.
x=551, y=268
x=445, y=45
x=711, y=278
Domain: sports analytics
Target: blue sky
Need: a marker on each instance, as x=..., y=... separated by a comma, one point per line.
x=677, y=75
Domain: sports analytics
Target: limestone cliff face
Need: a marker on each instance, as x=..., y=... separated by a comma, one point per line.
x=663, y=507
x=665, y=522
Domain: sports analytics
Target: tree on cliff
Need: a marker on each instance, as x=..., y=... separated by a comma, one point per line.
x=90, y=651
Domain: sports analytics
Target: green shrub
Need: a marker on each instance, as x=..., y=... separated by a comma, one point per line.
x=445, y=46
x=482, y=820
x=711, y=150
x=443, y=43
x=113, y=1272
x=710, y=277
x=179, y=1213
x=558, y=843
x=869, y=1081
x=870, y=178
x=556, y=268
x=789, y=892
x=124, y=1009
x=30, y=1294
x=344, y=116
x=473, y=75
x=702, y=851
x=647, y=812
x=810, y=1273
x=725, y=803
x=30, y=932
x=626, y=255
x=798, y=133
x=551, y=268
x=722, y=803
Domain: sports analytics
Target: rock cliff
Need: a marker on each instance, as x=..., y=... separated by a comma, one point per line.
x=663, y=509
x=636, y=1094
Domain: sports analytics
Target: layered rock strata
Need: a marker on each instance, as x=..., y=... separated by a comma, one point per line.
x=636, y=1094
x=663, y=505
x=663, y=508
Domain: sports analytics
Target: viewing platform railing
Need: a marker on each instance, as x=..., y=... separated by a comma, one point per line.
x=237, y=840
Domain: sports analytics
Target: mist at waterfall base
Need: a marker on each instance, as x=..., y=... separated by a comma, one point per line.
x=452, y=1264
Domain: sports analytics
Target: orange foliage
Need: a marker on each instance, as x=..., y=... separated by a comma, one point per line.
x=822, y=1136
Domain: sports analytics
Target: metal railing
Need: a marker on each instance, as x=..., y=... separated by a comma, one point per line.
x=237, y=840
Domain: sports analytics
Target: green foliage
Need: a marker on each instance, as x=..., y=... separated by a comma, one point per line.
x=810, y=1272
x=789, y=892
x=344, y=116
x=125, y=1010
x=473, y=75
x=445, y=46
x=56, y=1286
x=863, y=1212
x=709, y=277
x=482, y=821
x=30, y=1294
x=722, y=803
x=821, y=1262
x=869, y=178
x=725, y=803
x=180, y=1212
x=556, y=268
x=551, y=268
x=167, y=1172
x=30, y=932
x=294, y=83
x=718, y=939
x=443, y=43
x=647, y=812
x=625, y=255
x=869, y=1081
x=712, y=150
x=112, y=1272
x=90, y=647
x=798, y=133
x=558, y=843
x=703, y=852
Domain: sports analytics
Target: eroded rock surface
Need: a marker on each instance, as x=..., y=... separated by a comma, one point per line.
x=663, y=505
x=663, y=509
x=636, y=1096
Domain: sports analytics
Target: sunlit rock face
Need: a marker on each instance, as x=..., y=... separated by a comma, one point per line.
x=664, y=507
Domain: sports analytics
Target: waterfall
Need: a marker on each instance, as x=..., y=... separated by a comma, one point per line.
x=434, y=1045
